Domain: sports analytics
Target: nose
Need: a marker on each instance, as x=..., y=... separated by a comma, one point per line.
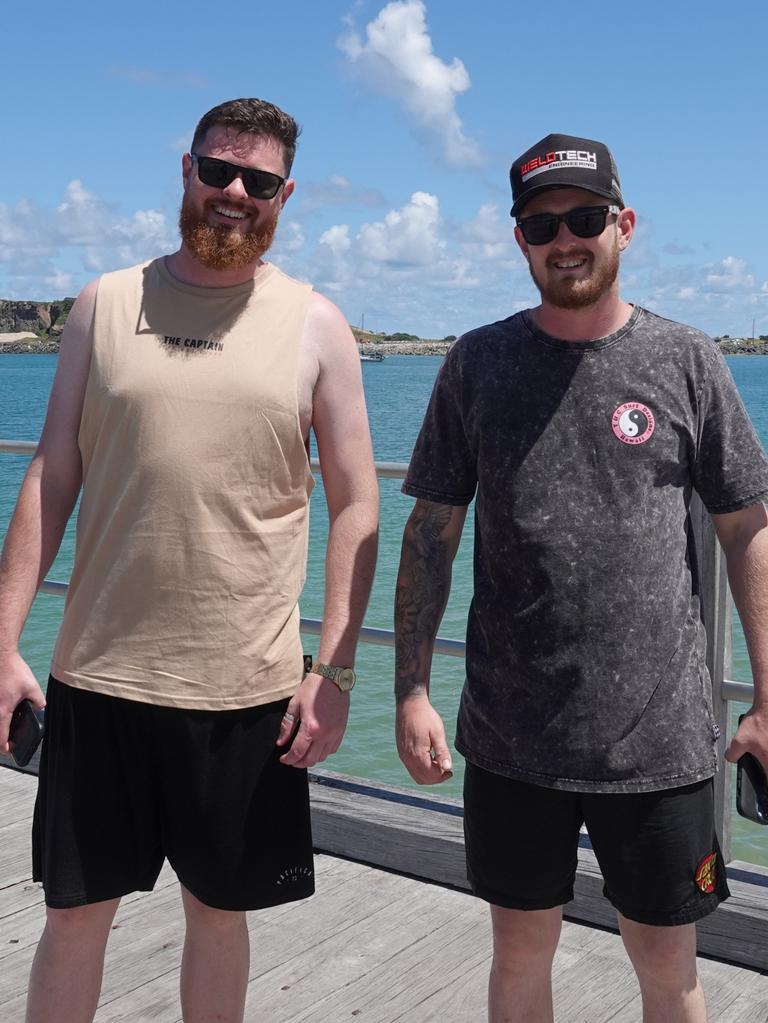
x=564, y=231
x=235, y=189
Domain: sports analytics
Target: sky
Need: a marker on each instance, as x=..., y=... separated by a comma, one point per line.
x=411, y=114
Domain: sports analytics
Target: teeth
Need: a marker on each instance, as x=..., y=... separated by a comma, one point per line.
x=234, y=214
x=569, y=264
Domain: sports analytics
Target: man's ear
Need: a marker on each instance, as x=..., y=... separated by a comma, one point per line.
x=287, y=191
x=186, y=169
x=523, y=245
x=626, y=227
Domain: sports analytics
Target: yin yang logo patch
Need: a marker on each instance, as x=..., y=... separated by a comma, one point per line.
x=633, y=423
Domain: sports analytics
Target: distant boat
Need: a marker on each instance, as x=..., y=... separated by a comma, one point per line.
x=371, y=356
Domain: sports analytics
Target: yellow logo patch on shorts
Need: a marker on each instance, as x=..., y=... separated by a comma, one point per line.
x=705, y=874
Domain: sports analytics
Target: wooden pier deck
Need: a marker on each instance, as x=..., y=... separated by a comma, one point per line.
x=372, y=946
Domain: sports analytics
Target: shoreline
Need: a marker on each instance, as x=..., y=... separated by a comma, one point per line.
x=404, y=348
x=425, y=347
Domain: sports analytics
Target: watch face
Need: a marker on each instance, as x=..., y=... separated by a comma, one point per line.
x=346, y=679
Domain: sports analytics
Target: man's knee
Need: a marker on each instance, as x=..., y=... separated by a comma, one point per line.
x=80, y=923
x=665, y=956
x=525, y=936
x=198, y=914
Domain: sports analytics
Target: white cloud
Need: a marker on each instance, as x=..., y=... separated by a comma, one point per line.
x=730, y=276
x=49, y=252
x=406, y=237
x=397, y=58
x=292, y=236
x=489, y=236
x=59, y=283
x=338, y=191
x=337, y=239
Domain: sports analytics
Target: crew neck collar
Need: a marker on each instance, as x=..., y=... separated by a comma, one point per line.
x=578, y=347
x=229, y=291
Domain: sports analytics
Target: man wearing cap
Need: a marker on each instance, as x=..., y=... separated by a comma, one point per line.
x=582, y=426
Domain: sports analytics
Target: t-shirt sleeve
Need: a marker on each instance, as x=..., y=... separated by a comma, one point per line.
x=443, y=466
x=731, y=469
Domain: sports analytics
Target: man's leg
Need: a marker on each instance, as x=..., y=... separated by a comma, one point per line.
x=214, y=967
x=663, y=871
x=664, y=959
x=524, y=944
x=521, y=843
x=65, y=981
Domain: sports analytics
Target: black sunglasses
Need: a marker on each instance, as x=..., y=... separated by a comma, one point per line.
x=585, y=222
x=258, y=184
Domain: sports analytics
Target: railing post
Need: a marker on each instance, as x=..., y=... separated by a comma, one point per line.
x=717, y=613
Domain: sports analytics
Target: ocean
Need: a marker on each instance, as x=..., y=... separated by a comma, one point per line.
x=397, y=391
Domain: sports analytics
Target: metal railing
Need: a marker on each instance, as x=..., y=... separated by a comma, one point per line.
x=716, y=609
x=309, y=626
x=730, y=689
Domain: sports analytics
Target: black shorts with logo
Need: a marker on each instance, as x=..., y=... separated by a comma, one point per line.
x=658, y=852
x=123, y=785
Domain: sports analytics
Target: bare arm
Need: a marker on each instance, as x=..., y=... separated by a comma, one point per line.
x=744, y=538
x=340, y=423
x=430, y=542
x=47, y=497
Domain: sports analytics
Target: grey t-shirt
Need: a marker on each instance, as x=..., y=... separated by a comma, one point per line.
x=585, y=648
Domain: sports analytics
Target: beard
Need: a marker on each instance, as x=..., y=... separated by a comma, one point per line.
x=570, y=293
x=224, y=248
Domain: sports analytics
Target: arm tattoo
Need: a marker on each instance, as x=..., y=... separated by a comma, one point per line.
x=423, y=584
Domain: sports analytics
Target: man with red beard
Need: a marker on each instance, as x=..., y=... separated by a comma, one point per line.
x=180, y=722
x=582, y=426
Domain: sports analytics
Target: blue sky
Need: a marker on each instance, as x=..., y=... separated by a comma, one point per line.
x=411, y=112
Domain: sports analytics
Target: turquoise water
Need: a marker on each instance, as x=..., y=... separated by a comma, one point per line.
x=397, y=391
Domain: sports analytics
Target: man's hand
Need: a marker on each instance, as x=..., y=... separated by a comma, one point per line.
x=17, y=683
x=751, y=737
x=319, y=710
x=421, y=741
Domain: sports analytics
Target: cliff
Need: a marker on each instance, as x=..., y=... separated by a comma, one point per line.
x=44, y=319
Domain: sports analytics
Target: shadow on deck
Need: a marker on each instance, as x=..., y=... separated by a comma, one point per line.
x=372, y=945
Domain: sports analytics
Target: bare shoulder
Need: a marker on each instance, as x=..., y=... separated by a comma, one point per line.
x=68, y=391
x=327, y=332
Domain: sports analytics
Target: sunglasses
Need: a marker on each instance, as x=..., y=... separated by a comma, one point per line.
x=258, y=184
x=585, y=222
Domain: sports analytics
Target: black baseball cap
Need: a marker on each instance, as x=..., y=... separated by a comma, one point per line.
x=564, y=161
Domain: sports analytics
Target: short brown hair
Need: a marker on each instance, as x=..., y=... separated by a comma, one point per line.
x=257, y=117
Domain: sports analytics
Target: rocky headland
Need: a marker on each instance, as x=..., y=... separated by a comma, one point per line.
x=35, y=327
x=32, y=327
x=28, y=328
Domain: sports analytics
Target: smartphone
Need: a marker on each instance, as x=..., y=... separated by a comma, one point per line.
x=751, y=788
x=25, y=733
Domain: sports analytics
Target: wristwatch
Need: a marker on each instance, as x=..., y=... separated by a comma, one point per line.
x=344, y=678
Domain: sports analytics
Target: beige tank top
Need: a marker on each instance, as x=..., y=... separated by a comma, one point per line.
x=192, y=529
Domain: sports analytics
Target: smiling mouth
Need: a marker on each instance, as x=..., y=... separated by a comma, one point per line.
x=573, y=263
x=226, y=211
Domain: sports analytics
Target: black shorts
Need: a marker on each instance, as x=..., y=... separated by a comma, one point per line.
x=125, y=784
x=658, y=852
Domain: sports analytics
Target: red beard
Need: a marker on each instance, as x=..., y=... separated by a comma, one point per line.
x=578, y=294
x=224, y=248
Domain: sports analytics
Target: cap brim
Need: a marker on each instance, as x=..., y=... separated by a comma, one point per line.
x=538, y=189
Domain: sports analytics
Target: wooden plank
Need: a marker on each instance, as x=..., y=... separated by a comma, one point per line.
x=422, y=837
x=389, y=947
x=6, y=760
